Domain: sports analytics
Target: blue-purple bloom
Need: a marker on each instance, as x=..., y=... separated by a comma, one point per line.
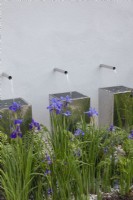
x=92, y=112
x=56, y=105
x=67, y=99
x=18, y=121
x=13, y=134
x=131, y=135
x=15, y=106
x=48, y=159
x=49, y=191
x=67, y=113
x=0, y=116
x=79, y=132
x=111, y=128
x=34, y=124
x=47, y=172
x=16, y=133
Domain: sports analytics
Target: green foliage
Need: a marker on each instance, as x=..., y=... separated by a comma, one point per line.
x=21, y=168
x=17, y=169
x=62, y=165
x=5, y=121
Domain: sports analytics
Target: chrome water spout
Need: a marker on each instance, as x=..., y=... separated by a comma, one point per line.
x=6, y=75
x=60, y=70
x=107, y=66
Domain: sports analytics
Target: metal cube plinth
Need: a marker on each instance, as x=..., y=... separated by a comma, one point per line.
x=25, y=113
x=116, y=106
x=80, y=104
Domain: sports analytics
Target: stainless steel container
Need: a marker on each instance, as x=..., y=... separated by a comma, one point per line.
x=115, y=106
x=80, y=104
x=24, y=113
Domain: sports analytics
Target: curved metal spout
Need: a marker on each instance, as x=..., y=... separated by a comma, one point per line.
x=60, y=70
x=107, y=66
x=6, y=75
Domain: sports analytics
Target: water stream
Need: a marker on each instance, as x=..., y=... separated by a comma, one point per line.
x=12, y=90
x=117, y=78
x=115, y=71
x=69, y=84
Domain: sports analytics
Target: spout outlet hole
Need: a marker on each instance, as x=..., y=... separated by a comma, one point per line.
x=10, y=77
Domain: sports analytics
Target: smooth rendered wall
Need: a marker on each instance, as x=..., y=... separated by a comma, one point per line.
x=74, y=35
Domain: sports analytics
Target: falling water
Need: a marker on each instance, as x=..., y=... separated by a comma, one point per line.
x=115, y=71
x=12, y=90
x=117, y=77
x=69, y=84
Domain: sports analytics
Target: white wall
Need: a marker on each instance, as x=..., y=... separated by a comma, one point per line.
x=75, y=35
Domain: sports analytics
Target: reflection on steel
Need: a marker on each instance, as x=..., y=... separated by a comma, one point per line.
x=115, y=106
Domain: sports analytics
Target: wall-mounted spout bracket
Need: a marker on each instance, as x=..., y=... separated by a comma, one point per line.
x=107, y=66
x=60, y=70
x=6, y=75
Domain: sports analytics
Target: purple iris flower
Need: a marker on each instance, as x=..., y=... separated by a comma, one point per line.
x=67, y=99
x=56, y=105
x=16, y=133
x=0, y=116
x=79, y=132
x=49, y=191
x=18, y=121
x=131, y=135
x=48, y=159
x=47, y=172
x=34, y=124
x=15, y=106
x=111, y=128
x=13, y=134
x=67, y=113
x=92, y=112
x=19, y=131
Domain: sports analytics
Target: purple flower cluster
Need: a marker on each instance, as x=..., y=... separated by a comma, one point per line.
x=18, y=121
x=16, y=133
x=79, y=132
x=131, y=135
x=48, y=159
x=66, y=99
x=67, y=113
x=49, y=191
x=111, y=128
x=34, y=125
x=0, y=116
x=47, y=172
x=58, y=105
x=15, y=107
x=92, y=112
